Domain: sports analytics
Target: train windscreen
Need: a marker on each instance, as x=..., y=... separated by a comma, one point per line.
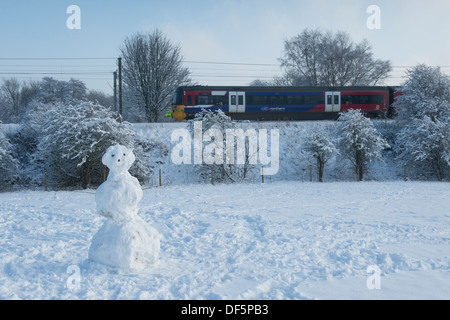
x=178, y=97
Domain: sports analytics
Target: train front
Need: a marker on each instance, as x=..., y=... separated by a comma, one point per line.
x=177, y=112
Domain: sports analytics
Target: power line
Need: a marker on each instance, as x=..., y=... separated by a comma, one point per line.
x=414, y=66
x=40, y=59
x=51, y=66
x=239, y=69
x=53, y=73
x=231, y=76
x=185, y=61
x=232, y=63
x=233, y=72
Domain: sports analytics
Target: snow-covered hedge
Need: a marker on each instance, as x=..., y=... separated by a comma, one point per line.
x=66, y=138
x=297, y=156
x=74, y=139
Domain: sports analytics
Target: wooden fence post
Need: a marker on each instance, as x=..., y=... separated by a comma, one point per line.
x=88, y=176
x=45, y=181
x=212, y=175
x=262, y=174
x=310, y=173
x=160, y=182
x=404, y=171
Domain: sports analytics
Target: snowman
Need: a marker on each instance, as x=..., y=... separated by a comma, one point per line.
x=125, y=240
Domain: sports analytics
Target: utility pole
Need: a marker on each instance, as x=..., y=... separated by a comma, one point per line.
x=115, y=91
x=120, y=86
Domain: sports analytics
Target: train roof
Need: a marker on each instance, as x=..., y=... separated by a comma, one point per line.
x=286, y=88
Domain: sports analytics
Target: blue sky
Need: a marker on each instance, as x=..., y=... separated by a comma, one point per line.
x=242, y=31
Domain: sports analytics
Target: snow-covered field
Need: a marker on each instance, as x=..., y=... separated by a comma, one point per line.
x=280, y=240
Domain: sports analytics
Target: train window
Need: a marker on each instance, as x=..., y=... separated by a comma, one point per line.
x=295, y=100
x=264, y=99
x=376, y=99
x=256, y=100
x=189, y=100
x=284, y=99
x=347, y=99
x=176, y=98
x=329, y=96
x=233, y=100
x=201, y=100
x=240, y=100
x=315, y=99
x=219, y=100
x=275, y=100
x=363, y=99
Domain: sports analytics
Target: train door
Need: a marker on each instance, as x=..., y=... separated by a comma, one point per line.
x=332, y=101
x=237, y=102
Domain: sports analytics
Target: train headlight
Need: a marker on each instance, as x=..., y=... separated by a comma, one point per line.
x=178, y=112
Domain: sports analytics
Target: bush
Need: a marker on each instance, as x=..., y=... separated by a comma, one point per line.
x=424, y=121
x=8, y=164
x=359, y=142
x=215, y=125
x=74, y=139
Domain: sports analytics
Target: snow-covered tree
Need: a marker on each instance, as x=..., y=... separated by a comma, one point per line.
x=74, y=139
x=426, y=92
x=58, y=91
x=360, y=142
x=424, y=120
x=133, y=112
x=101, y=98
x=319, y=145
x=8, y=164
x=217, y=127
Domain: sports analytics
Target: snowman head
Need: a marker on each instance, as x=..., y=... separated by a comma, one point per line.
x=118, y=158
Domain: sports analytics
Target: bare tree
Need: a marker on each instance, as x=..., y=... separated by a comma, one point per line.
x=100, y=97
x=260, y=83
x=332, y=59
x=152, y=69
x=29, y=90
x=302, y=55
x=290, y=78
x=10, y=91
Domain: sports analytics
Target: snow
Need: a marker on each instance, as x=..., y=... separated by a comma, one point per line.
x=278, y=240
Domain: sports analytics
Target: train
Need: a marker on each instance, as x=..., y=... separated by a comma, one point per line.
x=282, y=103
